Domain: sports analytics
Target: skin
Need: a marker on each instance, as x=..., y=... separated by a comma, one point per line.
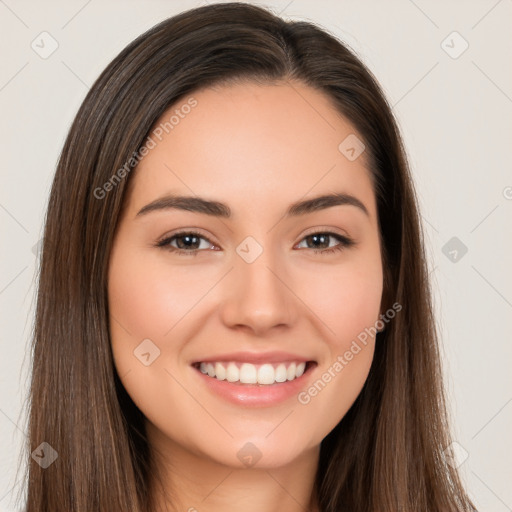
x=257, y=148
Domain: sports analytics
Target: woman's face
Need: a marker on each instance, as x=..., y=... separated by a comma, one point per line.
x=259, y=290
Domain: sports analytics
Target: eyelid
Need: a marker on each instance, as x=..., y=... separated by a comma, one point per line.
x=200, y=232
x=345, y=240
x=186, y=231
x=327, y=229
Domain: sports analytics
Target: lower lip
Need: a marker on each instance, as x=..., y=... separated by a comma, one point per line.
x=256, y=395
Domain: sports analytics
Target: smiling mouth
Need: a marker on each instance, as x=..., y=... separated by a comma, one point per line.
x=257, y=374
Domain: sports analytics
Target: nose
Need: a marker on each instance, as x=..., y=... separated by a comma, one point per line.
x=257, y=297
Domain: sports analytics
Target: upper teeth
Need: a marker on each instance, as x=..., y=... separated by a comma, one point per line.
x=253, y=374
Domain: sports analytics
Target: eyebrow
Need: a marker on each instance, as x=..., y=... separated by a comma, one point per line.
x=217, y=209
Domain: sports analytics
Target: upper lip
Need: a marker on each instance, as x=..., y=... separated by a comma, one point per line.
x=254, y=357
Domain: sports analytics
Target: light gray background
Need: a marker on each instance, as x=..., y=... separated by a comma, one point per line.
x=455, y=116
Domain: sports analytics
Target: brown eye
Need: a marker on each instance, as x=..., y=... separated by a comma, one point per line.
x=187, y=242
x=320, y=239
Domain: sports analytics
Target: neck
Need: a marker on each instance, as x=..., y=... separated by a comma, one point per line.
x=192, y=482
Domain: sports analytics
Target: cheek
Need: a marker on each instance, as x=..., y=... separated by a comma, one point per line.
x=150, y=300
x=346, y=299
x=148, y=297
x=145, y=303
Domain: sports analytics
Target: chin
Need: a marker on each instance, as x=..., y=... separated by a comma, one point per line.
x=258, y=453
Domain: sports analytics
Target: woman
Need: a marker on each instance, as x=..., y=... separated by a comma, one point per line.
x=292, y=362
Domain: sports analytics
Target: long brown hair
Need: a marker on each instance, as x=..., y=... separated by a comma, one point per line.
x=386, y=454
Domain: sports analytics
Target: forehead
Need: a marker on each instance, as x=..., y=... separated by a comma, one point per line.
x=252, y=146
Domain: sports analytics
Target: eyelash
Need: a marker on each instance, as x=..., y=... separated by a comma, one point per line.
x=346, y=242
